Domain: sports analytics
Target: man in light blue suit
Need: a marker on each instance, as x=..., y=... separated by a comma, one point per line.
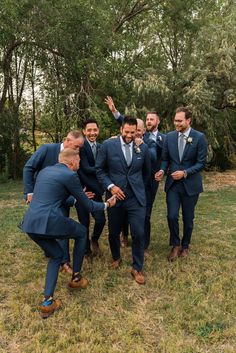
x=47, y=155
x=183, y=157
x=123, y=168
x=45, y=221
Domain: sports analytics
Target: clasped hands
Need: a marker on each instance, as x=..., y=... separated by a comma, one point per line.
x=117, y=192
x=177, y=175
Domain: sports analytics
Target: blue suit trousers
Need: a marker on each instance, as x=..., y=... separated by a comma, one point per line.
x=51, y=246
x=177, y=197
x=99, y=221
x=136, y=219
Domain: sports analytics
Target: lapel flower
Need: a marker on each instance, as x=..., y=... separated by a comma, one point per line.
x=189, y=139
x=159, y=138
x=137, y=149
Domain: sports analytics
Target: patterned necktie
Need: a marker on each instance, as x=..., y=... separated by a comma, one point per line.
x=94, y=150
x=181, y=146
x=127, y=154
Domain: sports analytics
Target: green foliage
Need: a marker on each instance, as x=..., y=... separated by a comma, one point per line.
x=147, y=55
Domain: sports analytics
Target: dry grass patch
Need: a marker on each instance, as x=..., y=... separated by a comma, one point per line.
x=185, y=307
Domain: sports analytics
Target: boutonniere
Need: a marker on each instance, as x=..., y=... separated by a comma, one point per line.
x=189, y=139
x=159, y=138
x=137, y=149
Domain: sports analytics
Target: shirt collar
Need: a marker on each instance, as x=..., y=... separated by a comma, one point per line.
x=123, y=142
x=186, y=133
x=91, y=143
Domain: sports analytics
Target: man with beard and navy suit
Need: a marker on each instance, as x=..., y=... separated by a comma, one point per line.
x=88, y=178
x=154, y=140
x=123, y=168
x=45, y=222
x=183, y=157
x=47, y=155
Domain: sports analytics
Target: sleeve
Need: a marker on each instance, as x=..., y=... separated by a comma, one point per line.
x=33, y=166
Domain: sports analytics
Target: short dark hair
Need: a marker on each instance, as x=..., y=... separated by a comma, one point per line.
x=129, y=120
x=186, y=110
x=89, y=121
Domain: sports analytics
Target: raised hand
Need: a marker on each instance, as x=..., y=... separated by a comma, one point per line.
x=110, y=103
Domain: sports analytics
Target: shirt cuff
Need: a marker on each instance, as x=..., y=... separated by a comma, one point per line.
x=116, y=115
x=110, y=186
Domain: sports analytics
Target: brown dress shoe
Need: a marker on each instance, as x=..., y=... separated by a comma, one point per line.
x=184, y=253
x=66, y=268
x=175, y=252
x=116, y=264
x=48, y=310
x=78, y=283
x=95, y=248
x=138, y=276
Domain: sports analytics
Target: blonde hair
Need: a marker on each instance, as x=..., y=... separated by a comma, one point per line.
x=67, y=155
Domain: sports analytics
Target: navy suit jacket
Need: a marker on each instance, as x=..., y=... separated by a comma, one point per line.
x=46, y=211
x=46, y=155
x=87, y=171
x=193, y=160
x=154, y=147
x=111, y=168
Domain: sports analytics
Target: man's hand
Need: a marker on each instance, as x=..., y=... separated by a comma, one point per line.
x=89, y=194
x=178, y=174
x=29, y=198
x=111, y=201
x=110, y=103
x=159, y=175
x=115, y=190
x=138, y=141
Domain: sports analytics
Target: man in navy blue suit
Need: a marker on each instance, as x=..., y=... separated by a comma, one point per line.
x=154, y=140
x=47, y=155
x=183, y=157
x=88, y=178
x=123, y=168
x=45, y=221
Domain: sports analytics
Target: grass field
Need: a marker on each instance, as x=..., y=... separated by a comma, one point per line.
x=185, y=307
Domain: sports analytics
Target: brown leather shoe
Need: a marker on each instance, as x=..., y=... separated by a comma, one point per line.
x=175, y=252
x=95, y=248
x=78, y=283
x=116, y=264
x=48, y=310
x=138, y=276
x=184, y=253
x=66, y=268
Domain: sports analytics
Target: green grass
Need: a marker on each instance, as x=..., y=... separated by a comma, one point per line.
x=185, y=307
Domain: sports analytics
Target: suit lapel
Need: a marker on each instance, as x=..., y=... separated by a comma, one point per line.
x=188, y=143
x=120, y=152
x=176, y=147
x=89, y=150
